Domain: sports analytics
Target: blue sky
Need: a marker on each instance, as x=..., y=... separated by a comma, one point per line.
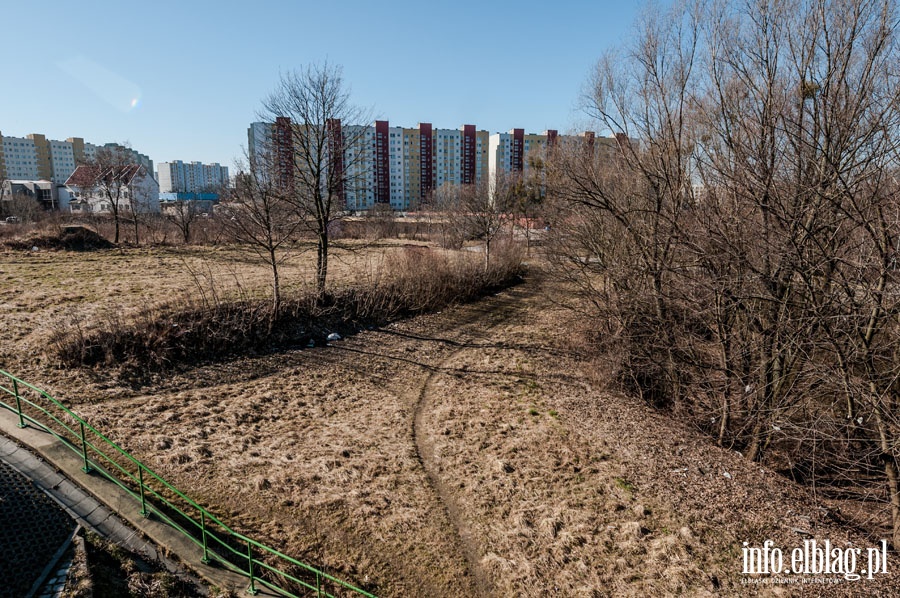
x=183, y=80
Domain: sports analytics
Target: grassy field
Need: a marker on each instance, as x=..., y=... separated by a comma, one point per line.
x=463, y=453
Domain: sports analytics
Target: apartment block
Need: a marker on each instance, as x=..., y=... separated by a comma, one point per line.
x=516, y=152
x=509, y=152
x=403, y=166
x=36, y=158
x=395, y=166
x=191, y=177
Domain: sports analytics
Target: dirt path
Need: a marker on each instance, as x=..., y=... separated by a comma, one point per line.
x=479, y=325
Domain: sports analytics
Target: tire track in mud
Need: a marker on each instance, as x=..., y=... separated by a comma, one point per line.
x=488, y=314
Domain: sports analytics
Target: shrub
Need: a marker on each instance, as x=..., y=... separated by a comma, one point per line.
x=192, y=331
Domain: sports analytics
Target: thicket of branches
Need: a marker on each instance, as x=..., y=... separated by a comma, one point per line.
x=737, y=243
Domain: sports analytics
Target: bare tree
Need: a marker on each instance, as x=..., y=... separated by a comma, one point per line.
x=625, y=200
x=527, y=203
x=468, y=212
x=258, y=212
x=5, y=189
x=27, y=203
x=24, y=207
x=743, y=241
x=109, y=174
x=380, y=221
x=484, y=215
x=319, y=150
x=444, y=205
x=136, y=206
x=183, y=213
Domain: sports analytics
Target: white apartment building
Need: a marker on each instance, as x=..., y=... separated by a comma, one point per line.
x=191, y=177
x=508, y=152
x=19, y=159
x=359, y=155
x=259, y=136
x=35, y=157
x=62, y=160
x=386, y=166
x=396, y=170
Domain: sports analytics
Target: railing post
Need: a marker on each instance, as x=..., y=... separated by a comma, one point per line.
x=318, y=585
x=87, y=467
x=18, y=403
x=141, y=482
x=205, y=559
x=252, y=589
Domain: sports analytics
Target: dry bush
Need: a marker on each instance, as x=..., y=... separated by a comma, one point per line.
x=421, y=280
x=208, y=328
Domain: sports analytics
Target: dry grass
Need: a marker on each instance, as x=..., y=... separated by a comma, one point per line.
x=188, y=331
x=454, y=454
x=101, y=568
x=44, y=290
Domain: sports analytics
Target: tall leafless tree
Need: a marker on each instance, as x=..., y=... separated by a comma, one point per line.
x=109, y=174
x=320, y=148
x=182, y=213
x=800, y=130
x=470, y=212
x=754, y=204
x=634, y=194
x=5, y=189
x=258, y=212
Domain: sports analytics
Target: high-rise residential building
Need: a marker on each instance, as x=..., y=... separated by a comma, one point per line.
x=259, y=136
x=395, y=166
x=402, y=167
x=191, y=177
x=271, y=149
x=35, y=157
x=509, y=151
x=515, y=152
x=20, y=161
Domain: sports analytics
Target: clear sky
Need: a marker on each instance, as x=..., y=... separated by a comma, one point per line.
x=183, y=80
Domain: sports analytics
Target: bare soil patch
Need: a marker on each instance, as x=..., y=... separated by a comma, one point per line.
x=68, y=238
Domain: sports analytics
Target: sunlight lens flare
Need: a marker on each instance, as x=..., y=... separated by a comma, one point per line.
x=117, y=91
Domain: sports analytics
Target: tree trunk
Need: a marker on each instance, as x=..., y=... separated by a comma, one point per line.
x=890, y=470
x=755, y=449
x=276, y=290
x=725, y=424
x=321, y=263
x=890, y=466
x=671, y=387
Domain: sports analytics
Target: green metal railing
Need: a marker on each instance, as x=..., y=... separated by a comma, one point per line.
x=219, y=543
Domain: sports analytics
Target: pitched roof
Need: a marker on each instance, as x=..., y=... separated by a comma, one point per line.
x=87, y=175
